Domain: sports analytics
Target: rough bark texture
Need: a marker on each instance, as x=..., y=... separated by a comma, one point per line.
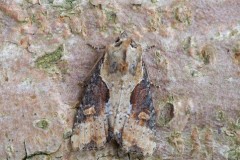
x=194, y=68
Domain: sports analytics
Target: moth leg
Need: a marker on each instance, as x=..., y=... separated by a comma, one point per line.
x=90, y=128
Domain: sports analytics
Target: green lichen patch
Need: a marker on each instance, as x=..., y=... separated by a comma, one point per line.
x=63, y=5
x=50, y=59
x=190, y=47
x=175, y=140
x=160, y=60
x=220, y=116
x=10, y=150
x=69, y=3
x=208, y=54
x=63, y=66
x=237, y=124
x=236, y=51
x=234, y=154
x=67, y=134
x=154, y=1
x=187, y=43
x=97, y=3
x=234, y=32
x=111, y=16
x=195, y=73
x=155, y=21
x=232, y=134
x=50, y=1
x=136, y=6
x=183, y=14
x=170, y=99
x=42, y=123
x=166, y=114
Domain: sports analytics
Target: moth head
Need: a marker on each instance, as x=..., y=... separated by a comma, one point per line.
x=124, y=55
x=143, y=116
x=90, y=111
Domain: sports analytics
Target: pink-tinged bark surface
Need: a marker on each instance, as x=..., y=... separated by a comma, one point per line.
x=194, y=68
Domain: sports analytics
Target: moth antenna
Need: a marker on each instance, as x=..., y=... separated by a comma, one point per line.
x=98, y=48
x=148, y=48
x=117, y=105
x=123, y=35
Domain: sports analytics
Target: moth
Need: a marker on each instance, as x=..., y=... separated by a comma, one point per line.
x=117, y=103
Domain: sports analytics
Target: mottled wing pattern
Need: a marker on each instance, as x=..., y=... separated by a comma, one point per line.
x=117, y=103
x=90, y=129
x=139, y=131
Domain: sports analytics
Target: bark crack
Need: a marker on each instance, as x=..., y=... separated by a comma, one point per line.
x=37, y=153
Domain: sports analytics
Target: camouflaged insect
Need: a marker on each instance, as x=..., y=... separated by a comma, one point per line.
x=117, y=104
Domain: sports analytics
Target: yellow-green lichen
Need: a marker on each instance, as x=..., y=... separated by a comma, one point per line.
x=154, y=1
x=67, y=134
x=234, y=154
x=183, y=14
x=232, y=133
x=10, y=150
x=220, y=116
x=50, y=1
x=234, y=32
x=42, y=123
x=166, y=114
x=188, y=43
x=69, y=4
x=170, y=99
x=63, y=66
x=160, y=60
x=195, y=73
x=63, y=5
x=111, y=16
x=97, y=4
x=175, y=140
x=155, y=21
x=208, y=54
x=50, y=59
x=236, y=47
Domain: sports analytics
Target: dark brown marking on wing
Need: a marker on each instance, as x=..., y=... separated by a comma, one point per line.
x=90, y=130
x=96, y=95
x=141, y=100
x=124, y=55
x=90, y=146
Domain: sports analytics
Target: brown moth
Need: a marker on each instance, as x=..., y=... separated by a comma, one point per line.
x=117, y=104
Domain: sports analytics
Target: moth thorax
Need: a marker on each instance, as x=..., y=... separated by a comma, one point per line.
x=89, y=111
x=123, y=67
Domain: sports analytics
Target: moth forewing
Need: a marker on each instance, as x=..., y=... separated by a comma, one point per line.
x=117, y=104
